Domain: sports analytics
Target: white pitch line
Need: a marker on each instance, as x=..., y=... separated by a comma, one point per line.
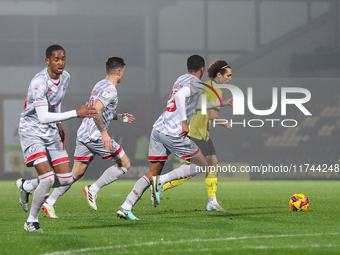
x=241, y=248
x=204, y=240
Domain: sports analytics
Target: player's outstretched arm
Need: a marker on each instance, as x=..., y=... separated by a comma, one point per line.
x=125, y=117
x=227, y=102
x=86, y=112
x=45, y=116
x=211, y=105
x=213, y=115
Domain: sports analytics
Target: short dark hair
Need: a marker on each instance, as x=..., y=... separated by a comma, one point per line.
x=52, y=48
x=195, y=63
x=218, y=66
x=113, y=63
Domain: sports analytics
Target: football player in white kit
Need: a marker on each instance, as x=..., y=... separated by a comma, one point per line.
x=42, y=135
x=93, y=138
x=169, y=135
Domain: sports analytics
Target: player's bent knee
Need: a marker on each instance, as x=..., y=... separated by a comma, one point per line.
x=47, y=179
x=65, y=179
x=79, y=175
x=124, y=162
x=46, y=182
x=127, y=165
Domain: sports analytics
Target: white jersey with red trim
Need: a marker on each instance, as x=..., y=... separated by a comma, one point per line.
x=43, y=91
x=170, y=122
x=106, y=92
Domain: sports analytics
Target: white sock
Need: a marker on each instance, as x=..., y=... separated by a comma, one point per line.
x=183, y=171
x=141, y=185
x=30, y=185
x=64, y=179
x=212, y=200
x=110, y=175
x=40, y=195
x=57, y=192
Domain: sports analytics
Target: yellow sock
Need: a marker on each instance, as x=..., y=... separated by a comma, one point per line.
x=172, y=184
x=211, y=186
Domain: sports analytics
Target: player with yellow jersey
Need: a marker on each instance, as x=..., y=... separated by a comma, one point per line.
x=219, y=72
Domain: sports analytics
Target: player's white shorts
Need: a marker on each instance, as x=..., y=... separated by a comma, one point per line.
x=86, y=152
x=35, y=147
x=161, y=145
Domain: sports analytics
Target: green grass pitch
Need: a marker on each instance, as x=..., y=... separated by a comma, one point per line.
x=258, y=221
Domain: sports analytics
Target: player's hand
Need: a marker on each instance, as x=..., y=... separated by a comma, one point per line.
x=84, y=111
x=107, y=142
x=61, y=132
x=185, y=129
x=229, y=126
x=227, y=102
x=130, y=118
